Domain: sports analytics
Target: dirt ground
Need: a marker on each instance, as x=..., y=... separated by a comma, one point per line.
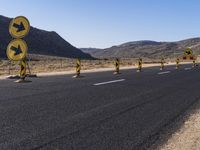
x=183, y=134
x=188, y=136
x=50, y=64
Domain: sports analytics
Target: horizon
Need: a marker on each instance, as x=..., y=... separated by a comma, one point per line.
x=94, y=24
x=144, y=40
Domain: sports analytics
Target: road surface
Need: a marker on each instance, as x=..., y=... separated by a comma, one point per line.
x=100, y=111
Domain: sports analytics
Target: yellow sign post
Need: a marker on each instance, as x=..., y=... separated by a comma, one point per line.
x=23, y=69
x=162, y=64
x=17, y=50
x=194, y=63
x=139, y=65
x=177, y=63
x=78, y=68
x=19, y=27
x=22, y=72
x=116, y=63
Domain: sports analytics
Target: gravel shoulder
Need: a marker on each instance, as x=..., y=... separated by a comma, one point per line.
x=184, y=134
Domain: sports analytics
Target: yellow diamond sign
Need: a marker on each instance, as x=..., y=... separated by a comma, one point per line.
x=188, y=54
x=19, y=27
x=17, y=50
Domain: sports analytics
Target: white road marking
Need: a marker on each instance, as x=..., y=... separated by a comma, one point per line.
x=188, y=68
x=166, y=72
x=109, y=82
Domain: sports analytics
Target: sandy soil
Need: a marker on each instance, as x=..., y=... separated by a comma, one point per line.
x=53, y=65
x=188, y=136
x=87, y=67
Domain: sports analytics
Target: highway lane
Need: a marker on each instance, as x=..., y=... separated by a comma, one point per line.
x=65, y=113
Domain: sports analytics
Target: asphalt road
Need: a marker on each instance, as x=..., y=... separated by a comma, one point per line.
x=100, y=111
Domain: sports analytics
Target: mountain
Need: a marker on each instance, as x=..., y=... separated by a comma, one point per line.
x=40, y=42
x=89, y=50
x=147, y=49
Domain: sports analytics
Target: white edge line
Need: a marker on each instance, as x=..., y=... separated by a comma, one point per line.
x=109, y=82
x=188, y=68
x=166, y=72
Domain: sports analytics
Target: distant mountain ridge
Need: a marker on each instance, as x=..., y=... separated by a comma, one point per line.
x=40, y=42
x=88, y=50
x=147, y=49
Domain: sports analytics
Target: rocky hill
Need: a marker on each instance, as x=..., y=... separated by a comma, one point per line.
x=147, y=49
x=40, y=42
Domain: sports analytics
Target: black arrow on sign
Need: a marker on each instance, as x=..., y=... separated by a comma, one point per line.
x=188, y=52
x=16, y=50
x=20, y=27
x=22, y=67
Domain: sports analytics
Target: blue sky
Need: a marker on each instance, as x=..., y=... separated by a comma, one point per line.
x=104, y=23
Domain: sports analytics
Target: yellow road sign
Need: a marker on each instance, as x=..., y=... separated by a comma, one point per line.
x=116, y=63
x=78, y=66
x=17, y=50
x=139, y=65
x=177, y=63
x=23, y=69
x=188, y=52
x=162, y=64
x=194, y=63
x=19, y=27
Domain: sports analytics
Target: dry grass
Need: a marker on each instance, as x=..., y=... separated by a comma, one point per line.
x=39, y=64
x=56, y=65
x=42, y=64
